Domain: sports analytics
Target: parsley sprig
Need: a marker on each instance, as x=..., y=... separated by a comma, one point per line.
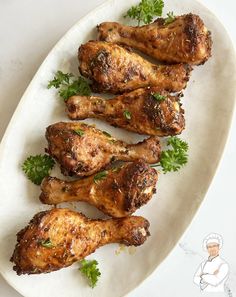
x=90, y=270
x=37, y=167
x=100, y=176
x=145, y=11
x=158, y=97
x=127, y=114
x=46, y=243
x=107, y=134
x=79, y=132
x=174, y=158
x=170, y=18
x=69, y=85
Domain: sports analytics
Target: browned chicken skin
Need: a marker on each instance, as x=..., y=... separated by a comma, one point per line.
x=185, y=40
x=114, y=69
x=120, y=193
x=72, y=237
x=84, y=150
x=148, y=115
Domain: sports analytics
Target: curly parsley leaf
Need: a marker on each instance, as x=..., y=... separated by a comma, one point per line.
x=46, y=243
x=174, y=158
x=107, y=134
x=79, y=132
x=59, y=79
x=159, y=97
x=100, y=176
x=69, y=85
x=37, y=167
x=170, y=18
x=127, y=114
x=90, y=270
x=145, y=11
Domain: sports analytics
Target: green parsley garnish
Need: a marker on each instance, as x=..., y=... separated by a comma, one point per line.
x=127, y=114
x=107, y=134
x=145, y=11
x=100, y=176
x=90, y=270
x=176, y=157
x=59, y=79
x=79, y=132
x=37, y=167
x=46, y=243
x=69, y=85
x=170, y=18
x=111, y=139
x=158, y=97
x=116, y=169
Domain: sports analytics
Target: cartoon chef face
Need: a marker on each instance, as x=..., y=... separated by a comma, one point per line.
x=212, y=244
x=213, y=249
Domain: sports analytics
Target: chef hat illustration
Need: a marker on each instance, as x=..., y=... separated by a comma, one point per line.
x=212, y=238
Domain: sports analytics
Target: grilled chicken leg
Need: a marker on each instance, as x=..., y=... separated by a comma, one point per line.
x=117, y=192
x=59, y=237
x=114, y=69
x=185, y=40
x=145, y=111
x=83, y=150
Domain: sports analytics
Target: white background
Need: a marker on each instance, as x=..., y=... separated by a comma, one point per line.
x=28, y=31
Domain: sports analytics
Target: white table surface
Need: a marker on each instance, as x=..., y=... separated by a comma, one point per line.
x=28, y=31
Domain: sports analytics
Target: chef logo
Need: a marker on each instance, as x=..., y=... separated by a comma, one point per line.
x=212, y=274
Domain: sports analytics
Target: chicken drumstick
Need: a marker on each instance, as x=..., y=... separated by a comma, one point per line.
x=118, y=192
x=59, y=237
x=150, y=111
x=83, y=150
x=185, y=40
x=114, y=69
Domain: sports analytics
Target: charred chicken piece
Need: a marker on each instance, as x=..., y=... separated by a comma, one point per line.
x=114, y=69
x=83, y=150
x=118, y=192
x=185, y=40
x=59, y=237
x=150, y=111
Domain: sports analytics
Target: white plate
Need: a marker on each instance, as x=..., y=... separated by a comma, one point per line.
x=209, y=103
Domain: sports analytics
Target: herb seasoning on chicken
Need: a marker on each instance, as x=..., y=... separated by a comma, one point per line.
x=139, y=111
x=72, y=237
x=118, y=192
x=86, y=154
x=184, y=40
x=114, y=69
